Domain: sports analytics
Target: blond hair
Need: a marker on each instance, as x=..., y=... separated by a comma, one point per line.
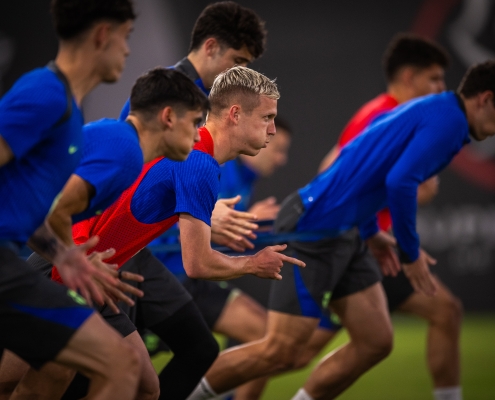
x=243, y=85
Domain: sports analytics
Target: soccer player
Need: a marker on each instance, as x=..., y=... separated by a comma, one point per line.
x=382, y=167
x=225, y=308
x=41, y=143
x=167, y=108
x=414, y=67
x=243, y=107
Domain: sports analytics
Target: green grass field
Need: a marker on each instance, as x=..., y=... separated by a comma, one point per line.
x=403, y=375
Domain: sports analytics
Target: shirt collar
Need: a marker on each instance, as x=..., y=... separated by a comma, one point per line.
x=185, y=66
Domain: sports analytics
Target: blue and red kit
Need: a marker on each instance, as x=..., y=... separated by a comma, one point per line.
x=163, y=190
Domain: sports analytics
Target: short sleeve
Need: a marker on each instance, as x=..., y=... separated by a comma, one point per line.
x=196, y=183
x=110, y=165
x=28, y=111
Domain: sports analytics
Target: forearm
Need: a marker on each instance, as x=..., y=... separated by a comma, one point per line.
x=217, y=266
x=46, y=243
x=61, y=225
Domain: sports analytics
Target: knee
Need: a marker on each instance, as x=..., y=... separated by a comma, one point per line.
x=447, y=313
x=281, y=353
x=377, y=346
x=124, y=365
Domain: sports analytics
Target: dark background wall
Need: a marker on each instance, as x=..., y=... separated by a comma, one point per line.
x=326, y=56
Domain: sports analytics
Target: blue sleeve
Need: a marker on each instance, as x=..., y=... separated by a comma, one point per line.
x=125, y=110
x=27, y=112
x=196, y=183
x=110, y=172
x=368, y=228
x=433, y=146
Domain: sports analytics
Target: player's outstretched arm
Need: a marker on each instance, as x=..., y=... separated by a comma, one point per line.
x=202, y=262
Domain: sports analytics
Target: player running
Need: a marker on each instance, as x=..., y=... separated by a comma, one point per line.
x=382, y=167
x=41, y=143
x=167, y=108
x=414, y=67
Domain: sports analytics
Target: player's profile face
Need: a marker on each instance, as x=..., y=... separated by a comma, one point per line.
x=227, y=57
x=429, y=80
x=258, y=126
x=274, y=155
x=483, y=125
x=180, y=141
x=116, y=52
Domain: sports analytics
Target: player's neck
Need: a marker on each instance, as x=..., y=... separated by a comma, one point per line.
x=80, y=72
x=399, y=92
x=198, y=62
x=147, y=138
x=223, y=144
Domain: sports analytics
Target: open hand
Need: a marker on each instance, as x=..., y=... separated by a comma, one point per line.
x=382, y=246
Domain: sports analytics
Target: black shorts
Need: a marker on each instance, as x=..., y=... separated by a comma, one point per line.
x=163, y=293
x=38, y=316
x=397, y=289
x=120, y=322
x=335, y=268
x=210, y=297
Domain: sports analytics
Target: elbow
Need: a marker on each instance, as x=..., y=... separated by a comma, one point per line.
x=195, y=270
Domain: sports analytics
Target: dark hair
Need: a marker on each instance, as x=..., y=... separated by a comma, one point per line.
x=73, y=17
x=412, y=50
x=477, y=79
x=232, y=25
x=162, y=87
x=283, y=124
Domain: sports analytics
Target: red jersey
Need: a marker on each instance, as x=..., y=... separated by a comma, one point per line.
x=363, y=117
x=117, y=226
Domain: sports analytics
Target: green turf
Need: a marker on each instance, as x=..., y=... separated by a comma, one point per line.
x=403, y=375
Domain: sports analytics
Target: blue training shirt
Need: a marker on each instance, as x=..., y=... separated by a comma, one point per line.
x=383, y=168
x=112, y=160
x=46, y=150
x=235, y=178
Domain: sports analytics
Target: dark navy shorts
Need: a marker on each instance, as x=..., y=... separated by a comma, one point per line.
x=38, y=316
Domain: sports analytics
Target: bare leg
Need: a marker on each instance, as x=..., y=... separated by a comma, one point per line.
x=244, y=320
x=100, y=353
x=319, y=339
x=12, y=369
x=444, y=315
x=276, y=352
x=53, y=379
x=367, y=347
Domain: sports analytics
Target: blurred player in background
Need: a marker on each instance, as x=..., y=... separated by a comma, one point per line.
x=41, y=143
x=413, y=67
x=382, y=167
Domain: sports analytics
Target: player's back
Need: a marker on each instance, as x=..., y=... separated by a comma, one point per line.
x=355, y=187
x=42, y=125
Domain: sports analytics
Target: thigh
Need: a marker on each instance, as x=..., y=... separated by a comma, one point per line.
x=398, y=289
x=242, y=319
x=163, y=293
x=210, y=297
x=38, y=316
x=366, y=308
